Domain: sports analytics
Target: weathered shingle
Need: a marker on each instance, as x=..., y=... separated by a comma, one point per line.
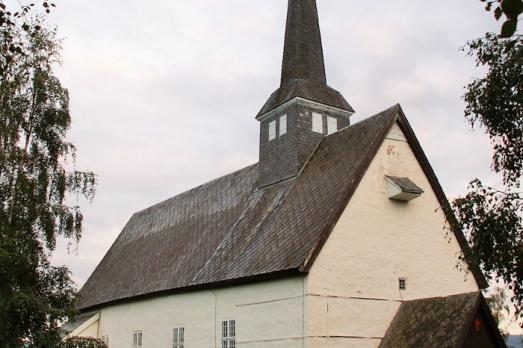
x=435, y=322
x=406, y=184
x=442, y=322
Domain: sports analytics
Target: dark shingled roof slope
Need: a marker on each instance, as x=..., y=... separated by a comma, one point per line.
x=441, y=322
x=229, y=231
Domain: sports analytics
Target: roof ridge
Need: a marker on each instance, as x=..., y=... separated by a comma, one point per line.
x=195, y=188
x=470, y=293
x=345, y=129
x=395, y=107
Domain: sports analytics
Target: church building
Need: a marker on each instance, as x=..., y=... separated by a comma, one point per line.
x=340, y=236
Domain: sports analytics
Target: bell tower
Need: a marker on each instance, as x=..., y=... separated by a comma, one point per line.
x=304, y=108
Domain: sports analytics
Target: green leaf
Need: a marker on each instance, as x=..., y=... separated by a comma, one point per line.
x=512, y=8
x=509, y=28
x=498, y=13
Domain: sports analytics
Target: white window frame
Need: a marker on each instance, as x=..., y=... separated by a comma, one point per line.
x=332, y=125
x=317, y=122
x=138, y=339
x=283, y=125
x=229, y=334
x=272, y=130
x=178, y=337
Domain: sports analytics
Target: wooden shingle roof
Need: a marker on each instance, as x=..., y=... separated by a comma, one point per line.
x=443, y=322
x=229, y=231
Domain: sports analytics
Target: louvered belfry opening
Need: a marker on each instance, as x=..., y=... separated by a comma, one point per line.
x=290, y=126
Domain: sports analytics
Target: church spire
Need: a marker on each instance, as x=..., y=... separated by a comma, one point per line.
x=303, y=67
x=303, y=109
x=303, y=53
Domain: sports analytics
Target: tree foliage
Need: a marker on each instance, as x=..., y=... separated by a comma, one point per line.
x=38, y=180
x=83, y=342
x=493, y=218
x=495, y=101
x=511, y=9
x=498, y=303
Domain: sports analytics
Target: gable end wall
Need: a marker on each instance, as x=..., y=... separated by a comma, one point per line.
x=352, y=290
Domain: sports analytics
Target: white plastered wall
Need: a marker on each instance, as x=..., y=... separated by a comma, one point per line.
x=91, y=331
x=353, y=286
x=268, y=314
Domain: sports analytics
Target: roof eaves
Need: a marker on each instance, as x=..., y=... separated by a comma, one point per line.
x=194, y=189
x=205, y=286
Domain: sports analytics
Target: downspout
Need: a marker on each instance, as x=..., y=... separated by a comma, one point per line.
x=215, y=316
x=303, y=313
x=98, y=327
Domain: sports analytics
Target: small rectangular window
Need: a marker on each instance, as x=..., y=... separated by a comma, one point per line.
x=232, y=328
x=317, y=123
x=137, y=339
x=229, y=334
x=272, y=130
x=332, y=125
x=403, y=284
x=178, y=337
x=105, y=339
x=283, y=125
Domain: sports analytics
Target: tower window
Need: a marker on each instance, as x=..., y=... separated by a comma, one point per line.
x=332, y=125
x=283, y=125
x=272, y=130
x=229, y=334
x=403, y=284
x=317, y=123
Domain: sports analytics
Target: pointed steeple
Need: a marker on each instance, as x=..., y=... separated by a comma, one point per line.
x=303, y=67
x=303, y=53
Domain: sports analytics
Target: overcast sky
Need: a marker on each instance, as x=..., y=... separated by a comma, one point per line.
x=164, y=93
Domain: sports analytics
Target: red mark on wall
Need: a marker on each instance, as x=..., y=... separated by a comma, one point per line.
x=391, y=150
x=477, y=324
